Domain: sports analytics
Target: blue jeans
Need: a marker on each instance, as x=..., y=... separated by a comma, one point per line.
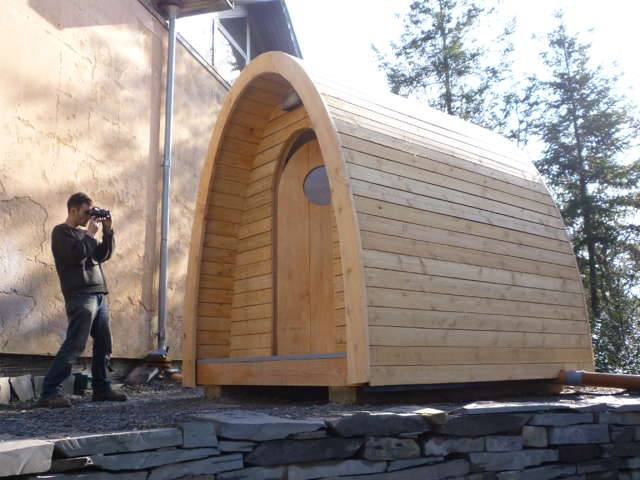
x=88, y=314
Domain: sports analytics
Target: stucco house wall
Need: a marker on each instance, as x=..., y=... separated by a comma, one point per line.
x=81, y=109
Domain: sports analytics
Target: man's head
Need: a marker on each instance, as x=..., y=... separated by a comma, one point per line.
x=78, y=205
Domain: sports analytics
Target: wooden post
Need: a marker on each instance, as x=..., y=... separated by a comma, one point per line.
x=213, y=392
x=343, y=395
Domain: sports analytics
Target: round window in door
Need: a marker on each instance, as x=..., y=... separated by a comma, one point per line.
x=316, y=186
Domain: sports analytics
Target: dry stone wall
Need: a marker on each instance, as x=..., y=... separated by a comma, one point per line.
x=593, y=440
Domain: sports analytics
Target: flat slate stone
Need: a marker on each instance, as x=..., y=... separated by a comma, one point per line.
x=378, y=424
x=503, y=443
x=622, y=449
x=208, y=466
x=65, y=464
x=118, y=442
x=600, y=465
x=443, y=446
x=620, y=418
x=480, y=425
x=390, y=448
x=547, y=472
x=144, y=460
x=622, y=434
x=578, y=434
x=5, y=391
x=239, y=425
x=281, y=452
x=236, y=446
x=535, y=437
x=198, y=434
x=22, y=387
x=438, y=471
x=481, y=408
x=342, y=468
x=38, y=381
x=255, y=473
x=396, y=465
x=578, y=453
x=561, y=419
x=19, y=457
x=495, y=462
x=431, y=415
x=92, y=476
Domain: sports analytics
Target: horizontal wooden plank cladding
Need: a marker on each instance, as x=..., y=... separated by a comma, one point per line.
x=416, y=282
x=462, y=168
x=416, y=248
x=475, y=355
x=386, y=297
x=428, y=266
x=413, y=318
x=312, y=372
x=418, y=374
x=428, y=204
x=430, y=337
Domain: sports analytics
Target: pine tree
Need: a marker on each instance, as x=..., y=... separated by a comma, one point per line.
x=437, y=59
x=586, y=129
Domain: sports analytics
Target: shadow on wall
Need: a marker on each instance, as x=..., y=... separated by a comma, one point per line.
x=85, y=114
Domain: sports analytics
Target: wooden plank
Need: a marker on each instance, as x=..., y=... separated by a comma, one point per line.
x=423, y=233
x=407, y=199
x=406, y=263
x=257, y=241
x=252, y=312
x=405, y=317
x=258, y=200
x=234, y=174
x=317, y=372
x=228, y=186
x=255, y=214
x=293, y=326
x=227, y=229
x=251, y=341
x=430, y=337
x=475, y=355
x=415, y=248
x=260, y=109
x=284, y=121
x=258, y=297
x=222, y=214
x=249, y=120
x=212, y=351
x=213, y=324
x=221, y=241
x=441, y=169
x=218, y=255
x=253, y=256
x=226, y=200
x=212, y=295
x=381, y=297
x=418, y=282
x=237, y=153
x=253, y=269
x=323, y=327
x=214, y=309
x=217, y=268
x=397, y=141
x=247, y=327
x=446, y=222
x=206, y=337
x=251, y=352
x=262, y=171
x=240, y=132
x=216, y=281
x=255, y=228
x=260, y=185
x=280, y=137
x=254, y=283
x=463, y=190
x=419, y=374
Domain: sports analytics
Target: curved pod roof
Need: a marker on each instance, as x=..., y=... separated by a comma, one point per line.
x=454, y=262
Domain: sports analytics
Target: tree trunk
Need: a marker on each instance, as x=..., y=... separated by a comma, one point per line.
x=448, y=97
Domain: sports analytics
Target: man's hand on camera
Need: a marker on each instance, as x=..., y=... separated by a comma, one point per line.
x=107, y=224
x=92, y=227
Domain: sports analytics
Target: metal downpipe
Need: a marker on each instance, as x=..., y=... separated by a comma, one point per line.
x=172, y=12
x=594, y=379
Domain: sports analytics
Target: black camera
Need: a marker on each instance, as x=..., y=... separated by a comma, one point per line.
x=97, y=212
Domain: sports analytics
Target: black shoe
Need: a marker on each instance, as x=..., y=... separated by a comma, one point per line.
x=54, y=401
x=109, y=396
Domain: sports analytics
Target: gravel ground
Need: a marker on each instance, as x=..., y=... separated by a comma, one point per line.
x=162, y=403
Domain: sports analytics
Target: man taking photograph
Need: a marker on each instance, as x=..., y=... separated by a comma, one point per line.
x=78, y=258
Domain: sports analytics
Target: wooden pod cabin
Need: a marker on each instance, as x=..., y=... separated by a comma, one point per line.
x=346, y=240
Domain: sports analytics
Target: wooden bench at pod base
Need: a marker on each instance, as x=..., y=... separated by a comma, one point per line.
x=343, y=240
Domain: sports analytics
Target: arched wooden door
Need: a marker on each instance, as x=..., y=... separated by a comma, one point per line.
x=305, y=322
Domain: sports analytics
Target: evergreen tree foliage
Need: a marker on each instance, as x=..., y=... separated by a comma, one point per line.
x=587, y=129
x=438, y=59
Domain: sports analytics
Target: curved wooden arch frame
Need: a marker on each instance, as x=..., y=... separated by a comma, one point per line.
x=291, y=70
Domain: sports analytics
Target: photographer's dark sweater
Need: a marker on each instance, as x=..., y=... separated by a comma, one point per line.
x=78, y=257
